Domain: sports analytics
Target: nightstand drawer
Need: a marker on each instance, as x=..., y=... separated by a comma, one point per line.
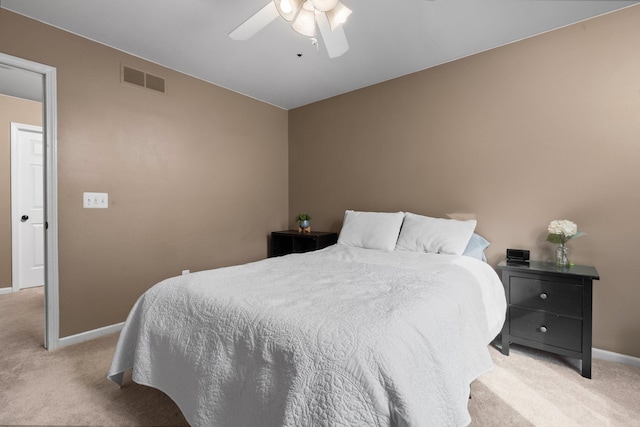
x=558, y=297
x=546, y=328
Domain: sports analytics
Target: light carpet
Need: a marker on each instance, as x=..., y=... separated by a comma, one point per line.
x=68, y=386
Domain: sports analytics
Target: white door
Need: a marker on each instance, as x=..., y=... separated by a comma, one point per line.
x=27, y=206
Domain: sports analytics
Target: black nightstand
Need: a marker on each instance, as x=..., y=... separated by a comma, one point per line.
x=292, y=241
x=549, y=308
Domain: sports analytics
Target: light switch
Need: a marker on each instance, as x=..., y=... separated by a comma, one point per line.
x=95, y=200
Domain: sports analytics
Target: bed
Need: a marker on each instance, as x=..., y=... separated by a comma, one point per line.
x=362, y=333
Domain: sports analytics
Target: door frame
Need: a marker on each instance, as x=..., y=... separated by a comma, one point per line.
x=50, y=131
x=16, y=273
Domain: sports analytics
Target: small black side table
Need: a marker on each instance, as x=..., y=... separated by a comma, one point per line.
x=549, y=308
x=292, y=241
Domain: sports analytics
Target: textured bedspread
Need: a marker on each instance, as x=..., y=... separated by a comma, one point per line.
x=338, y=337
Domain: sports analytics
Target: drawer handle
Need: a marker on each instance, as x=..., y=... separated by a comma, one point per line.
x=543, y=329
x=543, y=296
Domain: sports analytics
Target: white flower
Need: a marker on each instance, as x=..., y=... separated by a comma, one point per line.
x=563, y=227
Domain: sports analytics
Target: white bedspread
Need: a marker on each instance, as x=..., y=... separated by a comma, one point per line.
x=338, y=337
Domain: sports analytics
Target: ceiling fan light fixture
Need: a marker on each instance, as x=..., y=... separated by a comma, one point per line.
x=338, y=15
x=324, y=5
x=306, y=18
x=305, y=22
x=288, y=8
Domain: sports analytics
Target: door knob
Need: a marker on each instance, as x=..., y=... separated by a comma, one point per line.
x=24, y=218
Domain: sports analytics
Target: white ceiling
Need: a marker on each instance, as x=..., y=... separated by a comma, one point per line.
x=387, y=38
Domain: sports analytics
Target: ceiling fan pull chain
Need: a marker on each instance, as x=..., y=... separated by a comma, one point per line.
x=314, y=41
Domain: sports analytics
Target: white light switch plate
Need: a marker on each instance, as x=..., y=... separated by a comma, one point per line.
x=95, y=200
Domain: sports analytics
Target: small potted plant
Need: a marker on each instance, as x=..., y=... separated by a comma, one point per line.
x=303, y=223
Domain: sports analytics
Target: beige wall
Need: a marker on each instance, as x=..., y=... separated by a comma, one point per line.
x=547, y=128
x=197, y=178
x=543, y=129
x=19, y=111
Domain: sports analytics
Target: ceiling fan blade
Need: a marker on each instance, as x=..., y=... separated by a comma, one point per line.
x=255, y=23
x=335, y=40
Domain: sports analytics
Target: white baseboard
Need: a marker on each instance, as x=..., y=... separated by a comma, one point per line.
x=89, y=335
x=610, y=356
x=5, y=291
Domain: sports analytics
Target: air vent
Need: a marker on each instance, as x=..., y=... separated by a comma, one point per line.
x=135, y=77
x=142, y=79
x=155, y=83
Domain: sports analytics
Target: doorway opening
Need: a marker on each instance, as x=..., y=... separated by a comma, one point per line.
x=47, y=75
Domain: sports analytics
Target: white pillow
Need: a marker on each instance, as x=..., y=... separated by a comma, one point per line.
x=371, y=230
x=436, y=235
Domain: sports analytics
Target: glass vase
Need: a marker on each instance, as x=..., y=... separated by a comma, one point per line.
x=561, y=256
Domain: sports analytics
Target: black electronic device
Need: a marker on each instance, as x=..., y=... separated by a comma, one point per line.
x=517, y=256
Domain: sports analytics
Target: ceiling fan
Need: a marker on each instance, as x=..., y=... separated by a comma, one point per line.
x=304, y=15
